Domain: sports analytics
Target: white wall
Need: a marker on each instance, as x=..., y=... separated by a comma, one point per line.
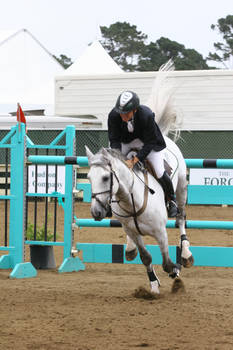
x=205, y=98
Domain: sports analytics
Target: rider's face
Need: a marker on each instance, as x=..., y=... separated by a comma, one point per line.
x=127, y=116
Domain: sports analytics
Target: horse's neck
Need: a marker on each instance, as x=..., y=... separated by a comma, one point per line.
x=129, y=184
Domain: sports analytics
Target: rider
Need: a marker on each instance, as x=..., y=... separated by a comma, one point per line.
x=133, y=126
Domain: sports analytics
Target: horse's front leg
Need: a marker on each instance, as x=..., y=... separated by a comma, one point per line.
x=147, y=262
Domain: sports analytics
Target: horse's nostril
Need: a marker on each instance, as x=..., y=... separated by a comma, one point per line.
x=97, y=215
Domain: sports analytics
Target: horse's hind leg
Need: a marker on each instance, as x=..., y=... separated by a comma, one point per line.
x=168, y=266
x=186, y=257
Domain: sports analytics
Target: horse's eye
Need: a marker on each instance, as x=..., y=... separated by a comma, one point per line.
x=105, y=178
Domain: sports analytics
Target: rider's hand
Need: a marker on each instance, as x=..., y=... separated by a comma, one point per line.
x=131, y=162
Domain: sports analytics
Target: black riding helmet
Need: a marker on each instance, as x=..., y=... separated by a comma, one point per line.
x=126, y=102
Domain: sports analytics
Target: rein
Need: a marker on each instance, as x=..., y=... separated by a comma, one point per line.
x=135, y=213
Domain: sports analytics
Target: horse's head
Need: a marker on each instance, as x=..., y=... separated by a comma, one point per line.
x=104, y=181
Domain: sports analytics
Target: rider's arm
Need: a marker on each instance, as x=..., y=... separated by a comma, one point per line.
x=114, y=131
x=131, y=162
x=151, y=138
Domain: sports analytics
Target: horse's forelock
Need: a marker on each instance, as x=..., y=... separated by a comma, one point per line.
x=98, y=159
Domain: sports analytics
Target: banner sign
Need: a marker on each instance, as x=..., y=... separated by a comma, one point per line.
x=211, y=177
x=41, y=179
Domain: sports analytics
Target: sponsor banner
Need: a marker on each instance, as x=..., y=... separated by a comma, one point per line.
x=41, y=179
x=211, y=177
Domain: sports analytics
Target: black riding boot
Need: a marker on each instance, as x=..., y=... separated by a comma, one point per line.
x=166, y=183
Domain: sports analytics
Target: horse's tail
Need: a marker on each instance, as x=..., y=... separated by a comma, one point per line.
x=161, y=102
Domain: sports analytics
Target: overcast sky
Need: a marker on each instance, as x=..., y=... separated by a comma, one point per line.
x=68, y=26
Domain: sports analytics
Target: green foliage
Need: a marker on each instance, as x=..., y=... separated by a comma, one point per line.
x=224, y=49
x=163, y=49
x=64, y=61
x=128, y=47
x=40, y=233
x=124, y=43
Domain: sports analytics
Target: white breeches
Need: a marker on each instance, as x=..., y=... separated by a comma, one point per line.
x=155, y=158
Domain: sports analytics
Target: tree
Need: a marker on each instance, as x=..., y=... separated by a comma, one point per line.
x=128, y=47
x=224, y=50
x=162, y=50
x=190, y=59
x=64, y=60
x=124, y=43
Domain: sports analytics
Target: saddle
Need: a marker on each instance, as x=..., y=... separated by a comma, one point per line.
x=148, y=166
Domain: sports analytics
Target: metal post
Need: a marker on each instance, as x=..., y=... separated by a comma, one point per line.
x=17, y=207
x=69, y=263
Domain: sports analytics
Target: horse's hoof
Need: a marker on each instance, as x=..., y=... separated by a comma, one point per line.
x=187, y=259
x=175, y=271
x=155, y=287
x=131, y=255
x=187, y=263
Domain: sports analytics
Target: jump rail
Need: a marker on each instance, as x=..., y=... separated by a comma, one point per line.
x=193, y=224
x=83, y=161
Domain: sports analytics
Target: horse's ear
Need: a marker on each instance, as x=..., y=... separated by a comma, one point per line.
x=89, y=154
x=106, y=154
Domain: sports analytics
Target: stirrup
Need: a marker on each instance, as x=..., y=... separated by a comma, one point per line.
x=172, y=209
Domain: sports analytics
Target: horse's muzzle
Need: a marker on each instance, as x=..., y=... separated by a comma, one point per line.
x=98, y=214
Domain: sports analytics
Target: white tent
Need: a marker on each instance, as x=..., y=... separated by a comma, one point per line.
x=93, y=66
x=94, y=60
x=27, y=71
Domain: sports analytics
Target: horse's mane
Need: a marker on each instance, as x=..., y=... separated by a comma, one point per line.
x=101, y=159
x=161, y=102
x=116, y=153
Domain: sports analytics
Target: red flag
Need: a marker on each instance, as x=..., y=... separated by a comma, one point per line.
x=20, y=116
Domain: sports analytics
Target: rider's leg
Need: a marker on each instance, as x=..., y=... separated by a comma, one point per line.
x=157, y=160
x=166, y=183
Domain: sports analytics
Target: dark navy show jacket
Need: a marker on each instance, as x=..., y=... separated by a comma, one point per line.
x=145, y=129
